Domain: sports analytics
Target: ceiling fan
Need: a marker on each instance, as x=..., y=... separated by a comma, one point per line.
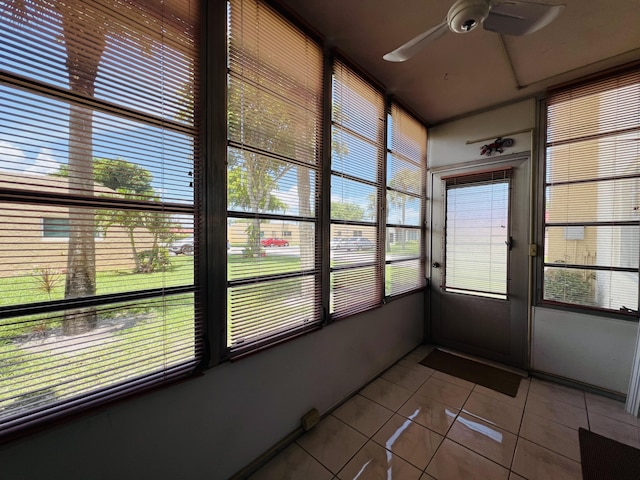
x=505, y=17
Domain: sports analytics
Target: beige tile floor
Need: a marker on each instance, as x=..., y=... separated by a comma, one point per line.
x=415, y=423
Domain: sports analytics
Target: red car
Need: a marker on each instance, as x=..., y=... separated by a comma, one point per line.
x=274, y=242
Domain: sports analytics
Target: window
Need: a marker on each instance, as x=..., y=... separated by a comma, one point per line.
x=60, y=228
x=477, y=233
x=100, y=138
x=55, y=227
x=592, y=179
x=99, y=133
x=357, y=139
x=406, y=170
x=273, y=178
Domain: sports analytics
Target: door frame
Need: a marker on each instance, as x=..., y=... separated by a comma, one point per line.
x=520, y=215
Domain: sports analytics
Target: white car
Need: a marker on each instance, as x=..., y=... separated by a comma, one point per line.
x=183, y=246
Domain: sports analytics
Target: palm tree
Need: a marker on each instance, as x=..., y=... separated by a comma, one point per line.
x=86, y=30
x=82, y=65
x=403, y=180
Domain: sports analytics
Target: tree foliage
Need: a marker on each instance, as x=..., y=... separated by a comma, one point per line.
x=260, y=121
x=117, y=174
x=81, y=63
x=347, y=211
x=158, y=224
x=133, y=182
x=568, y=286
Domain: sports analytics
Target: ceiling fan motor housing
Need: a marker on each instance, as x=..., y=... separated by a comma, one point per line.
x=465, y=15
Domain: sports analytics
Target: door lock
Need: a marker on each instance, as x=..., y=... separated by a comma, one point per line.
x=435, y=265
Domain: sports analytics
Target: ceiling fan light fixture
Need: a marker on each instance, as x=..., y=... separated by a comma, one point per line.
x=465, y=15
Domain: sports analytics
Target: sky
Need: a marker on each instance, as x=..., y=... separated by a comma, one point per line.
x=34, y=128
x=34, y=132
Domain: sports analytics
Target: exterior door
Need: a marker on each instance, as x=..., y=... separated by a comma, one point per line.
x=479, y=259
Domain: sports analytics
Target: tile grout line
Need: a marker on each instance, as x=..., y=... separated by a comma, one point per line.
x=536, y=443
x=524, y=408
x=470, y=449
x=370, y=438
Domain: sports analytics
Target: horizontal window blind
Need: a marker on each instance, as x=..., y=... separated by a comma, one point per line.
x=592, y=194
x=356, y=167
x=98, y=165
x=406, y=170
x=273, y=178
x=477, y=233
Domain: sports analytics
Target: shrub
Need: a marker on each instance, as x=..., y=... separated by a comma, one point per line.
x=563, y=285
x=154, y=260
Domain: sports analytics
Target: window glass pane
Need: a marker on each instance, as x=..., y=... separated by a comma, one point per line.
x=136, y=250
x=133, y=53
x=55, y=227
x=257, y=183
x=123, y=158
x=597, y=201
x=407, y=136
x=272, y=122
x=402, y=209
x=477, y=233
x=604, y=246
x=403, y=243
x=42, y=364
x=352, y=244
x=403, y=175
x=357, y=106
x=592, y=288
x=285, y=246
x=403, y=277
x=353, y=156
x=352, y=200
x=594, y=109
x=613, y=156
x=266, y=311
x=354, y=290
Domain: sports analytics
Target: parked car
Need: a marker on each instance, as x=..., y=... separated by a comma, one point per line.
x=356, y=243
x=183, y=246
x=336, y=243
x=274, y=242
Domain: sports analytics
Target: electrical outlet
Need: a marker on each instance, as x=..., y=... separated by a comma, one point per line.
x=310, y=419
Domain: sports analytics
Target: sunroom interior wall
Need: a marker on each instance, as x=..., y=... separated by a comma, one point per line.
x=572, y=345
x=212, y=426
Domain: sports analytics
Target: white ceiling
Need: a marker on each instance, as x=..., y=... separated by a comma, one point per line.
x=459, y=74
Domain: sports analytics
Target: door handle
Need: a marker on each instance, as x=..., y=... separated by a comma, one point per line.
x=509, y=243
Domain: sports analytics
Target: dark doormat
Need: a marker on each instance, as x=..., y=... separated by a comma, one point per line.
x=476, y=372
x=606, y=459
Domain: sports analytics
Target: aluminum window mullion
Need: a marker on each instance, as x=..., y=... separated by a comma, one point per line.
x=593, y=180
x=592, y=137
x=577, y=121
x=98, y=105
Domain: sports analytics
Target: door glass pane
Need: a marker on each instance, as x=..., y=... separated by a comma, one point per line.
x=477, y=235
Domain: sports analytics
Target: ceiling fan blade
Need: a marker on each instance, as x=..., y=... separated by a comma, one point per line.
x=414, y=45
x=520, y=18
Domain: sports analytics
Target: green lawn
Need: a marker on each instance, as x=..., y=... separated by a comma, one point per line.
x=24, y=289
x=133, y=339
x=35, y=370
x=239, y=266
x=33, y=362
